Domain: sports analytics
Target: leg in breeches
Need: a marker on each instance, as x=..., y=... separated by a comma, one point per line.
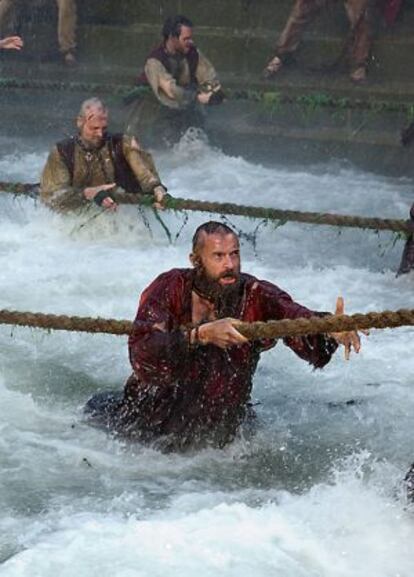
x=409, y=480
x=358, y=12
x=407, y=259
x=102, y=410
x=302, y=13
x=67, y=29
x=7, y=8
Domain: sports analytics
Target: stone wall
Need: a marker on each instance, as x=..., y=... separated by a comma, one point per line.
x=288, y=118
x=237, y=35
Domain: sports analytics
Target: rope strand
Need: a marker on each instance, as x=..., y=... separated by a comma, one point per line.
x=272, y=99
x=274, y=214
x=253, y=331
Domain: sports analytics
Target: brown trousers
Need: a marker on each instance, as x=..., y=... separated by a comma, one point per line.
x=66, y=21
x=304, y=11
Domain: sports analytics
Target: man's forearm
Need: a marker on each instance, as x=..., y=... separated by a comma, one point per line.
x=143, y=166
x=64, y=199
x=185, y=95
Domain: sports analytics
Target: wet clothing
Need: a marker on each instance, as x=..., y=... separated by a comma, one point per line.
x=409, y=484
x=71, y=167
x=407, y=260
x=164, y=120
x=391, y=10
x=66, y=21
x=185, y=74
x=190, y=395
x=67, y=25
x=304, y=11
x=407, y=135
x=158, y=125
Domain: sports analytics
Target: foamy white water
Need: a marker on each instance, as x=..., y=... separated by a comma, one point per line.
x=317, y=492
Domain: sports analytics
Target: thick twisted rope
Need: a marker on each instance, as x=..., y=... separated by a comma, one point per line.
x=288, y=215
x=270, y=98
x=275, y=214
x=21, y=188
x=253, y=331
x=327, y=324
x=74, y=86
x=65, y=323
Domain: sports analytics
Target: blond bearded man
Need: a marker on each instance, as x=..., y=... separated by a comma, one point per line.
x=86, y=167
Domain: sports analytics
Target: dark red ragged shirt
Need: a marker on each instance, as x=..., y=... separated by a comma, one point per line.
x=179, y=389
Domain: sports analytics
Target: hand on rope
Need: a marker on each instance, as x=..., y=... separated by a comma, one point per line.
x=349, y=339
x=276, y=214
x=254, y=330
x=223, y=333
x=159, y=196
x=100, y=195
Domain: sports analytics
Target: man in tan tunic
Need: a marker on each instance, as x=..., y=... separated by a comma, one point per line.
x=178, y=73
x=183, y=82
x=66, y=24
x=303, y=12
x=85, y=168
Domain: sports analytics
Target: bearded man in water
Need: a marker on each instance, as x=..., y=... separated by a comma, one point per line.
x=192, y=369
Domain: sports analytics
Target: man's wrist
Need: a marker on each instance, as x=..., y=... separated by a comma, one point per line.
x=195, y=338
x=100, y=196
x=201, y=335
x=159, y=188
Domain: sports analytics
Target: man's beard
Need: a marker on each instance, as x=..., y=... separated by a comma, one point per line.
x=93, y=145
x=226, y=298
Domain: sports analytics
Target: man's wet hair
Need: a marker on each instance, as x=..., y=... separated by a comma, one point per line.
x=210, y=227
x=92, y=104
x=172, y=26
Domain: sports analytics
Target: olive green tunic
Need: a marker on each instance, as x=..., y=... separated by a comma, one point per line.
x=179, y=81
x=62, y=193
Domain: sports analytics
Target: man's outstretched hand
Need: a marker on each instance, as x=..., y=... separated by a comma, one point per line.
x=11, y=43
x=349, y=339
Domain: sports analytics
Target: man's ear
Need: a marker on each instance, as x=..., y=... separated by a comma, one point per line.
x=195, y=260
x=79, y=122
